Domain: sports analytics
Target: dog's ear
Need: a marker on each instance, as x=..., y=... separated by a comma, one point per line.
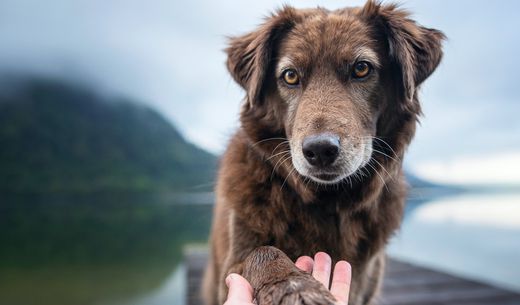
x=415, y=50
x=250, y=55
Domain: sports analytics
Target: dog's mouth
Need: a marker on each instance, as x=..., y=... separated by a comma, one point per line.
x=327, y=177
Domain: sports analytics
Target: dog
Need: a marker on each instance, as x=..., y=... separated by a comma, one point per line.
x=331, y=106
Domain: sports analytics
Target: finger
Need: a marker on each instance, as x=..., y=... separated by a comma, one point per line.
x=341, y=279
x=321, y=270
x=239, y=289
x=305, y=263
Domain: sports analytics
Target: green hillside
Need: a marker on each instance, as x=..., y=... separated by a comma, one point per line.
x=59, y=137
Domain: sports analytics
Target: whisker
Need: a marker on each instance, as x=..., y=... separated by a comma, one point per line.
x=279, y=163
x=380, y=152
x=276, y=147
x=277, y=154
x=387, y=145
x=292, y=170
x=383, y=168
x=308, y=180
x=305, y=183
x=265, y=140
x=280, y=160
x=358, y=175
x=371, y=139
x=381, y=177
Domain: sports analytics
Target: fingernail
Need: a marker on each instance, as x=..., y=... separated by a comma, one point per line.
x=229, y=278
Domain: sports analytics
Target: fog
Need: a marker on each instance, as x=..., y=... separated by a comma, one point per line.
x=168, y=54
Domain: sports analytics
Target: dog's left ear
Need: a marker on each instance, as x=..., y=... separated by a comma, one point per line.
x=251, y=55
x=414, y=49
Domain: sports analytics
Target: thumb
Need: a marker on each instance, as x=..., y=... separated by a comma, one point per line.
x=239, y=289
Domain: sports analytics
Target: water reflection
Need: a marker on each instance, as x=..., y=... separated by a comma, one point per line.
x=472, y=234
x=126, y=249
x=94, y=249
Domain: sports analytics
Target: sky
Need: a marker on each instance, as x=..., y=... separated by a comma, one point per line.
x=168, y=54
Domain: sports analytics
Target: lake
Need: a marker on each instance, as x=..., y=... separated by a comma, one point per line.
x=123, y=249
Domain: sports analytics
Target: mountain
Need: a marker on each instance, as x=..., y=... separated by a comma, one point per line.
x=416, y=182
x=62, y=137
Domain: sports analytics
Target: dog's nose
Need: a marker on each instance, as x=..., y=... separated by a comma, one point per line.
x=321, y=150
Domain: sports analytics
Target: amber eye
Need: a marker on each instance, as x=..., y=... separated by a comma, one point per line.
x=290, y=77
x=361, y=69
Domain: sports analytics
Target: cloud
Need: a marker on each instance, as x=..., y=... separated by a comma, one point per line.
x=504, y=213
x=498, y=169
x=169, y=54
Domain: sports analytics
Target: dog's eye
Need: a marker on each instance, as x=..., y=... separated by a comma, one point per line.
x=361, y=69
x=290, y=77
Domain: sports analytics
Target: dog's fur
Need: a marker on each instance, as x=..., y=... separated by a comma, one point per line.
x=267, y=194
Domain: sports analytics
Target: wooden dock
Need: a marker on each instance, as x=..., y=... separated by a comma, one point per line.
x=404, y=284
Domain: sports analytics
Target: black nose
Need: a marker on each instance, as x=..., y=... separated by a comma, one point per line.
x=321, y=150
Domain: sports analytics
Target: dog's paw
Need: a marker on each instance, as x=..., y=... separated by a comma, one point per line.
x=277, y=281
x=295, y=290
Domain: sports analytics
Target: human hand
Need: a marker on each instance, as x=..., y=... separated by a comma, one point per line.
x=321, y=266
x=241, y=293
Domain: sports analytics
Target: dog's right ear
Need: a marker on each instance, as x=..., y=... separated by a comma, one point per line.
x=415, y=50
x=250, y=55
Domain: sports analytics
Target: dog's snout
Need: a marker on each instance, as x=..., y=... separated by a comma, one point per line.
x=321, y=150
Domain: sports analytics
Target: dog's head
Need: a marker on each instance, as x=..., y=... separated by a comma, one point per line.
x=332, y=82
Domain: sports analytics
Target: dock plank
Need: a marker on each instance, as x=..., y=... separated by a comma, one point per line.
x=404, y=284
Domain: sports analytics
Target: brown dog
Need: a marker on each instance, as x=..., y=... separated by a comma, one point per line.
x=331, y=106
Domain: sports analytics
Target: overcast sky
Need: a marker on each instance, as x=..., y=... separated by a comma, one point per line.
x=168, y=54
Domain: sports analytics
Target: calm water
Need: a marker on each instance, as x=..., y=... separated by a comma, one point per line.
x=122, y=249
x=475, y=235
x=127, y=249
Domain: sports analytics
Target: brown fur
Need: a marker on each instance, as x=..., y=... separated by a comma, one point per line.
x=262, y=199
